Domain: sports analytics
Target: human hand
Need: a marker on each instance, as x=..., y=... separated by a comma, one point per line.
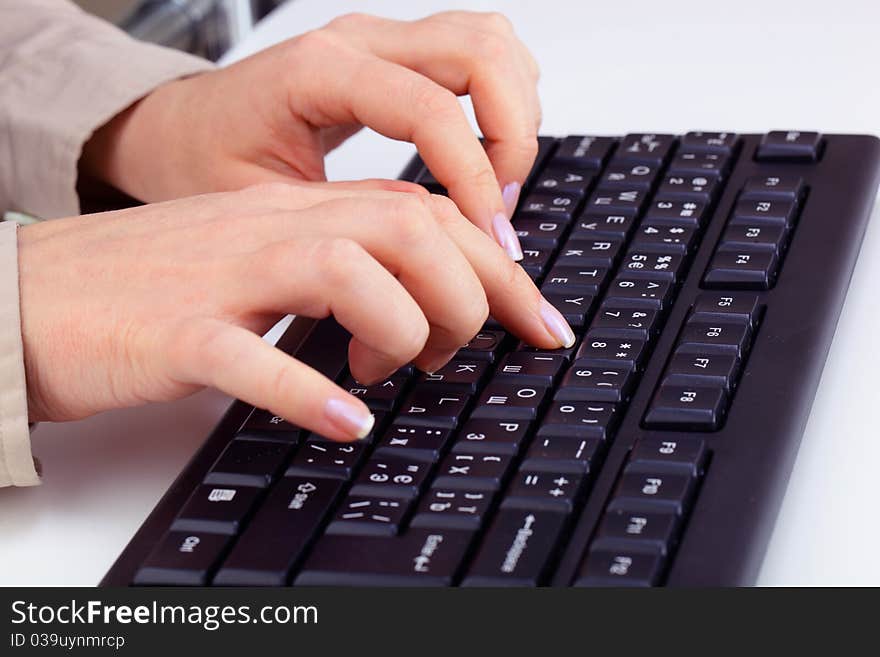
x=274, y=116
x=154, y=302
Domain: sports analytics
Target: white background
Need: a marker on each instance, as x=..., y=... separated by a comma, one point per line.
x=608, y=67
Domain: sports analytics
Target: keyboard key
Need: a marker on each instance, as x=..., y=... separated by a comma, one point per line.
x=649, y=148
x=574, y=307
x=601, y=252
x=420, y=557
x=695, y=408
x=459, y=374
x=695, y=163
x=731, y=336
x=652, y=529
x=485, y=345
x=219, y=510
x=433, y=404
x=586, y=382
x=566, y=353
x=558, y=177
x=615, y=568
x=741, y=234
x=423, y=443
x=789, y=146
x=265, y=425
x=380, y=396
x=664, y=237
x=752, y=269
x=679, y=213
x=539, y=231
x=527, y=368
x=566, y=454
x=277, y=538
x=779, y=211
x=647, y=290
x=473, y=471
x=555, y=205
x=536, y=258
x=696, y=366
x=566, y=279
x=601, y=225
x=663, y=264
x=580, y=419
x=628, y=175
x=320, y=457
x=599, y=349
x=773, y=187
x=642, y=490
x=506, y=401
x=586, y=152
x=517, y=549
x=391, y=476
x=701, y=187
x=672, y=453
x=491, y=437
x=640, y=323
x=629, y=199
x=453, y=509
x=249, y=463
x=369, y=516
x=182, y=559
x=712, y=142
x=739, y=306
x=544, y=491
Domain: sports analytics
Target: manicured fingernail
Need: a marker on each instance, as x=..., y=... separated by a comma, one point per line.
x=351, y=417
x=510, y=195
x=506, y=237
x=556, y=324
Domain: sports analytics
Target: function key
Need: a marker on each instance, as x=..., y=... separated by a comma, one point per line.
x=773, y=187
x=741, y=305
x=742, y=233
x=559, y=178
x=673, y=453
x=654, y=490
x=750, y=269
x=648, y=148
x=772, y=211
x=695, y=365
x=608, y=567
x=689, y=162
x=724, y=336
x=789, y=146
x=700, y=187
x=623, y=174
x=585, y=151
x=689, y=213
x=689, y=407
x=716, y=142
x=655, y=529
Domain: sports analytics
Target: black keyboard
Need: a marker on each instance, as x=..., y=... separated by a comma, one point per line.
x=703, y=275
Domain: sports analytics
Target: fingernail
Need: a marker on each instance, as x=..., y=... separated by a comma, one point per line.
x=505, y=236
x=351, y=417
x=510, y=195
x=556, y=324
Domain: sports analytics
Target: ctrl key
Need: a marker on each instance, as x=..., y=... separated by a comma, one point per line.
x=182, y=559
x=620, y=568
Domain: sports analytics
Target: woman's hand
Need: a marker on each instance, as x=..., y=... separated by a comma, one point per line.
x=274, y=116
x=152, y=303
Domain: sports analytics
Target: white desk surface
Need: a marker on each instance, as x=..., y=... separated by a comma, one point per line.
x=626, y=66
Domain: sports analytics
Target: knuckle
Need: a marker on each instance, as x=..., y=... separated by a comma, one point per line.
x=412, y=339
x=354, y=20
x=413, y=221
x=491, y=47
x=270, y=190
x=339, y=258
x=444, y=209
x=438, y=103
x=497, y=21
x=317, y=41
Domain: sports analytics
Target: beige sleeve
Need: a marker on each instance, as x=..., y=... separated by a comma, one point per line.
x=63, y=74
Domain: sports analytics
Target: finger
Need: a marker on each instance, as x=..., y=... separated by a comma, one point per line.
x=403, y=104
x=402, y=235
x=476, y=54
x=334, y=275
x=240, y=363
x=512, y=296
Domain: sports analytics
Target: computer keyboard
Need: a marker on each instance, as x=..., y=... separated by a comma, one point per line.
x=703, y=275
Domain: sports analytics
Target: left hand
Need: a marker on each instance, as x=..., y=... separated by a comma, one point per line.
x=274, y=116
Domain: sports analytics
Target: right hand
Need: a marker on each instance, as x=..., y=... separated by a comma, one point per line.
x=153, y=303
